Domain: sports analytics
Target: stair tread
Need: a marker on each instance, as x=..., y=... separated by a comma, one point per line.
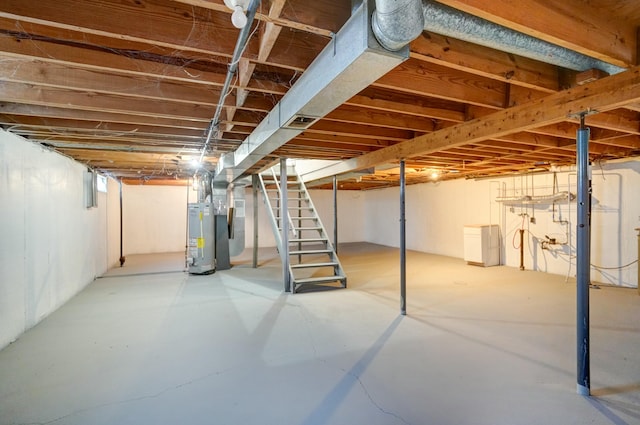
x=311, y=251
x=319, y=279
x=308, y=240
x=312, y=265
x=278, y=217
x=298, y=218
x=304, y=228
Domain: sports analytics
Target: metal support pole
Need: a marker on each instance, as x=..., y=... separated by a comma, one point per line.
x=284, y=219
x=403, y=247
x=122, y=259
x=299, y=225
x=638, y=280
x=521, y=249
x=583, y=262
x=335, y=214
x=254, y=181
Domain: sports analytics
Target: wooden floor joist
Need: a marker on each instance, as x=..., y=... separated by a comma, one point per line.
x=601, y=96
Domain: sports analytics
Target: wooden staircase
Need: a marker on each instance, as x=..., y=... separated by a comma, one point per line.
x=312, y=257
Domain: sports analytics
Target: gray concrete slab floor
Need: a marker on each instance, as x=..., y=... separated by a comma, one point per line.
x=479, y=346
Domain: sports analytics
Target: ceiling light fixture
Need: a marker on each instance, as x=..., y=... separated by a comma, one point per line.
x=238, y=17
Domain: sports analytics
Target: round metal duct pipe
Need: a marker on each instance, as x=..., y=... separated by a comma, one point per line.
x=450, y=22
x=396, y=23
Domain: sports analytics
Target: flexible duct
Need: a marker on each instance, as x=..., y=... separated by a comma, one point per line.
x=396, y=23
x=450, y=22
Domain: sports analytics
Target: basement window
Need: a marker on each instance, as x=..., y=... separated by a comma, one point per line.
x=90, y=189
x=101, y=183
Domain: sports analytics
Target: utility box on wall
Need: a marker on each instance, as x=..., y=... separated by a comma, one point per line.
x=482, y=244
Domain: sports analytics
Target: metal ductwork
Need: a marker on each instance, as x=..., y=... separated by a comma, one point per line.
x=450, y=22
x=396, y=23
x=352, y=61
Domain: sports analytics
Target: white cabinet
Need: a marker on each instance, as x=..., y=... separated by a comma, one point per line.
x=482, y=244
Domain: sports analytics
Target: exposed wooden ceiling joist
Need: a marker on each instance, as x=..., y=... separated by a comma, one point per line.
x=108, y=81
x=603, y=95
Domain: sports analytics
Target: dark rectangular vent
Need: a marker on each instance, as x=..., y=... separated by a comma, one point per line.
x=301, y=121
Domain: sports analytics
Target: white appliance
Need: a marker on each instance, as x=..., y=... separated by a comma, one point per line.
x=482, y=244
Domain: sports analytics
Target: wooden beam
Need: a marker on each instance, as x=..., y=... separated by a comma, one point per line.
x=173, y=26
x=100, y=81
x=360, y=130
x=356, y=115
x=271, y=31
x=414, y=106
x=417, y=77
x=573, y=24
x=220, y=7
x=65, y=98
x=156, y=182
x=96, y=116
x=63, y=125
x=486, y=62
x=603, y=95
x=321, y=137
x=65, y=55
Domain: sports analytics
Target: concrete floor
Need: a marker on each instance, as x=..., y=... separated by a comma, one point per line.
x=479, y=346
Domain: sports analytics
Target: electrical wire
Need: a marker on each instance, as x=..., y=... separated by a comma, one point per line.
x=614, y=268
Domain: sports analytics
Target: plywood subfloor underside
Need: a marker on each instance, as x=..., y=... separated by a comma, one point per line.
x=479, y=346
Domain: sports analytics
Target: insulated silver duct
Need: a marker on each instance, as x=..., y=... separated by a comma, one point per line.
x=396, y=23
x=444, y=20
x=351, y=61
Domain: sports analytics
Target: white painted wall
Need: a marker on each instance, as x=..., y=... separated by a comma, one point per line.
x=265, y=234
x=155, y=218
x=51, y=245
x=351, y=209
x=437, y=213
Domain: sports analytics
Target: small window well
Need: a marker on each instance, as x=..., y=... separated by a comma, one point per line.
x=299, y=121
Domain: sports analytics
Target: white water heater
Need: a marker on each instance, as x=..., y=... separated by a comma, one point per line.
x=201, y=247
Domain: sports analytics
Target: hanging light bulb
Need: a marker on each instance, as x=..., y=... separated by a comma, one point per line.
x=238, y=18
